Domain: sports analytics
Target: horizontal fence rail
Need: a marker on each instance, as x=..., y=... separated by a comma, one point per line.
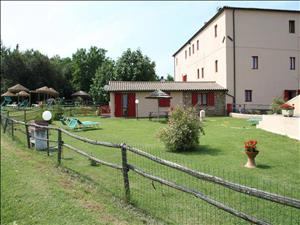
x=236, y=187
x=90, y=141
x=115, y=166
x=199, y=195
x=126, y=167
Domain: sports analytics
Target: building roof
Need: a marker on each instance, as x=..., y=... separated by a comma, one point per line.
x=164, y=86
x=221, y=10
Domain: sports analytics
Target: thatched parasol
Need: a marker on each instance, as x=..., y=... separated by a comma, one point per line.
x=43, y=90
x=8, y=94
x=158, y=94
x=17, y=88
x=80, y=94
x=53, y=92
x=23, y=94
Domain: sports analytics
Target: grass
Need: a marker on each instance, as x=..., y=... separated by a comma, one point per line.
x=35, y=191
x=220, y=153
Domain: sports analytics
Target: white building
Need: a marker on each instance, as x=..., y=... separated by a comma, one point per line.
x=254, y=53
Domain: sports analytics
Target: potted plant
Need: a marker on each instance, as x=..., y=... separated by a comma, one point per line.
x=251, y=151
x=287, y=110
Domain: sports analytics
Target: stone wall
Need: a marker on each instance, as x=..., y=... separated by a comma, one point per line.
x=217, y=110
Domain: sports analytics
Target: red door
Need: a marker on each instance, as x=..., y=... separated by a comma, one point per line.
x=118, y=104
x=131, y=104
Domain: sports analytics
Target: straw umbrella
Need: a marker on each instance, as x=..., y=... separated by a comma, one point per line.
x=17, y=88
x=43, y=90
x=22, y=94
x=81, y=94
x=158, y=94
x=53, y=92
x=8, y=94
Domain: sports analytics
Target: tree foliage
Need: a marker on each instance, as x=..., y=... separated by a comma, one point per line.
x=134, y=66
x=104, y=73
x=85, y=64
x=87, y=69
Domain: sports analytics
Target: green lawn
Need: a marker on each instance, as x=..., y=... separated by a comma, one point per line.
x=35, y=191
x=220, y=153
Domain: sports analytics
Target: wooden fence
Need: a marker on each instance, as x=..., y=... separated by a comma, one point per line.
x=126, y=167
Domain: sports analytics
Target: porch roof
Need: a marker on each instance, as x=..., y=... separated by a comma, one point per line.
x=164, y=86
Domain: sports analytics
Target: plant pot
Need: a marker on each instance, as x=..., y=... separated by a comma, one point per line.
x=251, y=159
x=287, y=112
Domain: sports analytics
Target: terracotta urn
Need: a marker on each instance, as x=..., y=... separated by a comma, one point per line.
x=251, y=159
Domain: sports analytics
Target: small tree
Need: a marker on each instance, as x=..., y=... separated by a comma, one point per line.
x=276, y=103
x=183, y=130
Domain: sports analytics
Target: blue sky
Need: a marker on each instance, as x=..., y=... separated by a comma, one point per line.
x=157, y=28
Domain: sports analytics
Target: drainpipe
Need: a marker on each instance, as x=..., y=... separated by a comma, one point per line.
x=234, y=63
x=174, y=62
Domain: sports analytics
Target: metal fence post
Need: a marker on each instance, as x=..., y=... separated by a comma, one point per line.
x=59, y=146
x=125, y=171
x=27, y=135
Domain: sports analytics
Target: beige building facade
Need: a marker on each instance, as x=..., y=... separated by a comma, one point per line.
x=254, y=53
x=129, y=98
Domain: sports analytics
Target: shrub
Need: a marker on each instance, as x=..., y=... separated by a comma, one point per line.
x=276, y=103
x=183, y=130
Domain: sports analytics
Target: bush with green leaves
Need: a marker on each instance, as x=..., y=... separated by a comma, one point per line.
x=276, y=103
x=183, y=130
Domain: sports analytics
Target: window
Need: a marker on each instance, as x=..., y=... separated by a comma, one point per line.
x=124, y=104
x=202, y=72
x=185, y=54
x=193, y=48
x=289, y=94
x=198, y=73
x=197, y=44
x=292, y=26
x=216, y=30
x=202, y=99
x=254, y=62
x=248, y=95
x=189, y=51
x=184, y=78
x=292, y=63
x=164, y=102
x=176, y=61
x=216, y=66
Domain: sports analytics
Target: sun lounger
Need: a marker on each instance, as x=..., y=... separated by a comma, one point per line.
x=74, y=123
x=254, y=121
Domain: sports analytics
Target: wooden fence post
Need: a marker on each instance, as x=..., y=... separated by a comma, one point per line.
x=59, y=146
x=125, y=170
x=48, y=150
x=5, y=125
x=12, y=129
x=27, y=135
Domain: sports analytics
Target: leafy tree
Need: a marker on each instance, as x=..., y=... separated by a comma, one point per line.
x=85, y=63
x=134, y=66
x=170, y=78
x=104, y=73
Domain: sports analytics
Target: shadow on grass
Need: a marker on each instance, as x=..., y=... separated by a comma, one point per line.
x=89, y=129
x=201, y=150
x=263, y=166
